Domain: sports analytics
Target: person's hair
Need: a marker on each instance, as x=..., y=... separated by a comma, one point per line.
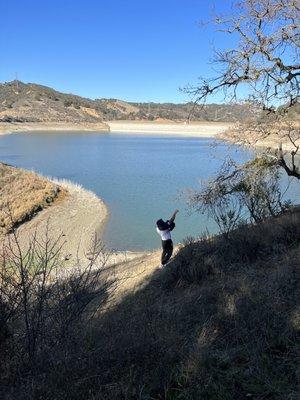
x=163, y=226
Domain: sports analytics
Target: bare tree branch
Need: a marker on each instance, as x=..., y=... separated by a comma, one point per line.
x=266, y=62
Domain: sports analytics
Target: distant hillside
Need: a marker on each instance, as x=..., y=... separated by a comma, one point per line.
x=209, y=112
x=21, y=102
x=114, y=109
x=294, y=111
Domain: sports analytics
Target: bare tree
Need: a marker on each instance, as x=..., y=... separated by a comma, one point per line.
x=239, y=194
x=266, y=61
x=42, y=298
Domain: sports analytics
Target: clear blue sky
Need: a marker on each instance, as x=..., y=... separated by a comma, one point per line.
x=134, y=50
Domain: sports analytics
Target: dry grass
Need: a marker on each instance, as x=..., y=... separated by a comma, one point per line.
x=23, y=194
x=202, y=258
x=221, y=322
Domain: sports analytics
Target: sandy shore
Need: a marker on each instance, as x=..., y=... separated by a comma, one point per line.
x=272, y=142
x=78, y=217
x=6, y=128
x=194, y=129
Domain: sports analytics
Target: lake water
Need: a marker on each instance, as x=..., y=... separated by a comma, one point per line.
x=140, y=178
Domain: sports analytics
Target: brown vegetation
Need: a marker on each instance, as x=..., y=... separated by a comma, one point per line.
x=191, y=112
x=31, y=103
x=23, y=194
x=22, y=103
x=41, y=308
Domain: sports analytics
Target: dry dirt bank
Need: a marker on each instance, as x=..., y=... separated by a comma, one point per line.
x=51, y=126
x=195, y=129
x=77, y=217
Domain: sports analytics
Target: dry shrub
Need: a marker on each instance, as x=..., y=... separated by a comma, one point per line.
x=199, y=259
x=43, y=304
x=232, y=337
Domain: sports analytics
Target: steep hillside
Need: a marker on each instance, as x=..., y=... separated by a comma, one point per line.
x=114, y=109
x=20, y=102
x=220, y=322
x=183, y=112
x=31, y=103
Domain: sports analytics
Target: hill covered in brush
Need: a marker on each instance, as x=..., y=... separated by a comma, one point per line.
x=193, y=112
x=30, y=102
x=21, y=102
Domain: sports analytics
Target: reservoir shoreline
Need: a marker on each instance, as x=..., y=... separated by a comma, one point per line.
x=24, y=127
x=194, y=129
x=73, y=207
x=77, y=217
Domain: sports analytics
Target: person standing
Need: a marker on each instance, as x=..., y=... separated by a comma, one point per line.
x=164, y=229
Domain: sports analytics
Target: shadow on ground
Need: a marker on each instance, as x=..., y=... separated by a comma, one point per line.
x=229, y=334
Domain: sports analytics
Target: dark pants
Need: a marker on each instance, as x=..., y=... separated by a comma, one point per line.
x=167, y=246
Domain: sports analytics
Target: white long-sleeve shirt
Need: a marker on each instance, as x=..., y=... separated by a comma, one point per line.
x=165, y=235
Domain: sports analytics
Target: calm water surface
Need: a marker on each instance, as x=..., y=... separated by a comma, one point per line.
x=141, y=178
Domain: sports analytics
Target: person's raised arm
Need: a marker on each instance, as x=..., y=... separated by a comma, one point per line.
x=174, y=216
